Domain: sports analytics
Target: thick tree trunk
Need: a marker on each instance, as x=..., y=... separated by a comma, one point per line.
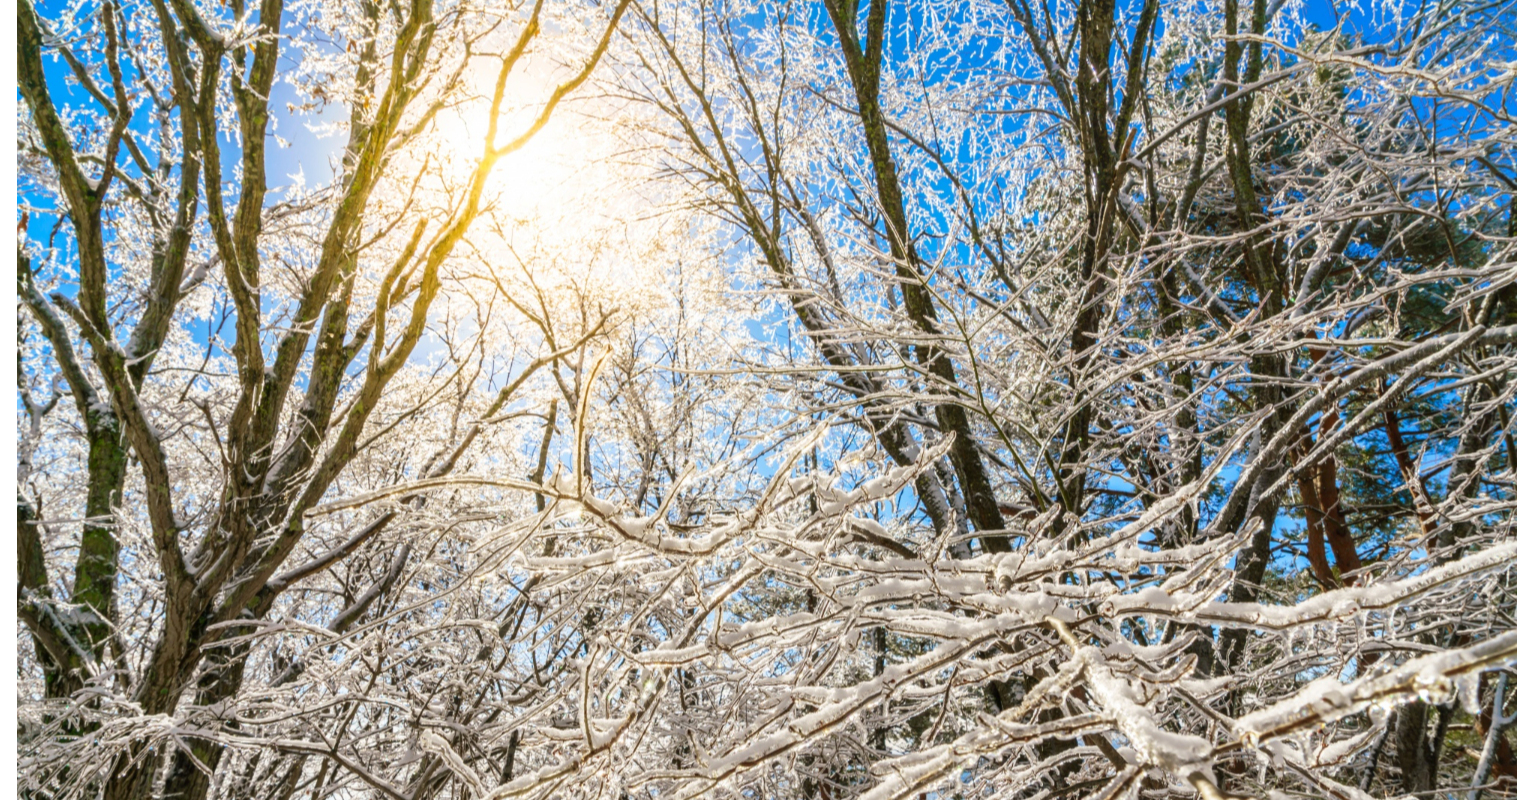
x=1415, y=756
x=187, y=780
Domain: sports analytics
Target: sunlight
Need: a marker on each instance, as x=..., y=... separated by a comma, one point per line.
x=841, y=400
x=525, y=182
x=565, y=210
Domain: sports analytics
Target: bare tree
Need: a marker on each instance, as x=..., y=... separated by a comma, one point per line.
x=971, y=399
x=327, y=295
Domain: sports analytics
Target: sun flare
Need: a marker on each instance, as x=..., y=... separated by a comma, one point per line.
x=559, y=163
x=765, y=399
x=564, y=207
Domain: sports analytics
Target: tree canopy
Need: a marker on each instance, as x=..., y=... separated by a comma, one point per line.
x=741, y=398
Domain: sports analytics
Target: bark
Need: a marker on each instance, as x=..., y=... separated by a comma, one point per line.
x=1419, y=745
x=95, y=575
x=187, y=780
x=1315, y=533
x=1337, y=532
x=1415, y=759
x=1490, y=726
x=1261, y=273
x=863, y=60
x=191, y=768
x=53, y=644
x=1421, y=503
x=1261, y=267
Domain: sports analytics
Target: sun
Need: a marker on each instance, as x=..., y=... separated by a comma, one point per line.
x=551, y=170
x=569, y=208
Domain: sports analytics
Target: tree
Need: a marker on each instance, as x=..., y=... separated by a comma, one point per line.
x=1196, y=268
x=956, y=399
x=328, y=296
